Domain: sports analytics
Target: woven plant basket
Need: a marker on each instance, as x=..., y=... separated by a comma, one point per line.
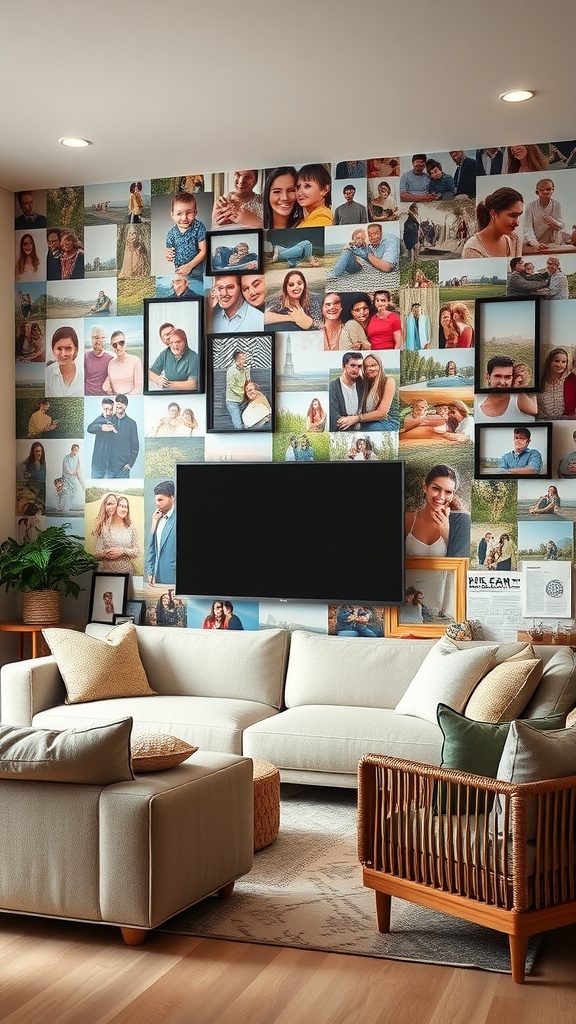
x=41, y=606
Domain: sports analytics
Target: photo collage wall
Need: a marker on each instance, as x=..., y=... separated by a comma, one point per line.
x=304, y=313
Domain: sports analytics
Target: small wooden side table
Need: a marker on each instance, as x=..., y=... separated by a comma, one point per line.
x=35, y=631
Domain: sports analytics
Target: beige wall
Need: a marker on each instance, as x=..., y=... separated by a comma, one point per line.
x=9, y=604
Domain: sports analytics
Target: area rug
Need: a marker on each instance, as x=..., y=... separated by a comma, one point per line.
x=306, y=891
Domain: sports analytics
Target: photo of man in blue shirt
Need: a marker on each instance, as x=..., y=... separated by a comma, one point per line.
x=523, y=461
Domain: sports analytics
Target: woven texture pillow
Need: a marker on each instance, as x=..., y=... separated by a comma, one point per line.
x=503, y=693
x=446, y=676
x=156, y=751
x=95, y=669
x=97, y=756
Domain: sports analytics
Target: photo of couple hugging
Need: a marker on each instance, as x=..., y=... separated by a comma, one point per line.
x=356, y=620
x=364, y=396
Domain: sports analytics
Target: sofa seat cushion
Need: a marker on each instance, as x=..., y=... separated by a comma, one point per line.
x=211, y=723
x=326, y=738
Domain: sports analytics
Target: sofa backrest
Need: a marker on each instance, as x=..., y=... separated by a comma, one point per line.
x=354, y=672
x=349, y=671
x=242, y=665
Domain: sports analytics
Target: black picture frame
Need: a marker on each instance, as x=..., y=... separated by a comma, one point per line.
x=507, y=327
x=220, y=249
x=115, y=583
x=120, y=619
x=260, y=364
x=136, y=609
x=185, y=314
x=493, y=441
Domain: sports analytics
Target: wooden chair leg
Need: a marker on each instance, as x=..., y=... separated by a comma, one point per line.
x=134, y=936
x=383, y=906
x=226, y=891
x=518, y=947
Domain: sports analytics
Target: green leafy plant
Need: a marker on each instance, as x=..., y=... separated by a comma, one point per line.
x=49, y=562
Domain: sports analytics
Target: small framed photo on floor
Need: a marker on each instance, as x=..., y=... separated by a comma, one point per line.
x=240, y=383
x=235, y=252
x=173, y=347
x=108, y=596
x=507, y=351
x=520, y=450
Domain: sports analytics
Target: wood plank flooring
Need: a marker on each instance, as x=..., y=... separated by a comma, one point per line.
x=58, y=972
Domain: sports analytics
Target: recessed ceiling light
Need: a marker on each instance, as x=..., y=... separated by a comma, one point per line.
x=516, y=95
x=75, y=143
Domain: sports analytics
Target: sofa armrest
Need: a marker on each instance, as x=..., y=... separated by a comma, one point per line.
x=28, y=687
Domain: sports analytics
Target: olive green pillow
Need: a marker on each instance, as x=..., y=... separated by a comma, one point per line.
x=476, y=747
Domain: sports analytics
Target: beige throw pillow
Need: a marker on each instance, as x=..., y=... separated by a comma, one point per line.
x=155, y=751
x=96, y=669
x=446, y=676
x=98, y=756
x=503, y=693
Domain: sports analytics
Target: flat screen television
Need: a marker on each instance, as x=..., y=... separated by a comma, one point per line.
x=308, y=531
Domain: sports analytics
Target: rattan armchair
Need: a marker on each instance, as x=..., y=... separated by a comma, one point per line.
x=461, y=844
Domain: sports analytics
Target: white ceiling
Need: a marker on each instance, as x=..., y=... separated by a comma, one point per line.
x=196, y=86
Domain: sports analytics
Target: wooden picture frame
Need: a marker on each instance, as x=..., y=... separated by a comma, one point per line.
x=164, y=359
x=223, y=356
x=495, y=444
x=223, y=256
x=446, y=597
x=108, y=596
x=509, y=329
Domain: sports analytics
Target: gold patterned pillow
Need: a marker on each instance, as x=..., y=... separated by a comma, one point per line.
x=503, y=693
x=96, y=669
x=155, y=751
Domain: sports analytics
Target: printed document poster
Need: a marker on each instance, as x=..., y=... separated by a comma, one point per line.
x=547, y=589
x=495, y=600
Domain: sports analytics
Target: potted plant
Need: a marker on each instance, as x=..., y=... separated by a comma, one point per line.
x=44, y=568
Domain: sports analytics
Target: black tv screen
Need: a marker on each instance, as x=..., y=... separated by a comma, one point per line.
x=323, y=531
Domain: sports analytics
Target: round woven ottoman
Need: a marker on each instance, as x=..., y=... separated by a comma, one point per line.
x=266, y=803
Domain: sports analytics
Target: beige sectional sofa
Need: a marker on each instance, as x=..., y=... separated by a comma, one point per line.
x=311, y=704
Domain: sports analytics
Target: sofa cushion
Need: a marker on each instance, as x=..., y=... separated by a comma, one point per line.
x=96, y=756
x=350, y=672
x=323, y=739
x=556, y=690
x=247, y=665
x=446, y=676
x=156, y=751
x=476, y=747
x=94, y=669
x=503, y=693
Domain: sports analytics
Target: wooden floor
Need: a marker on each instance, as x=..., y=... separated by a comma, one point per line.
x=56, y=972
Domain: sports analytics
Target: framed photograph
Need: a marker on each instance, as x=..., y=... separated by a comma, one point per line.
x=435, y=596
x=173, y=347
x=235, y=252
x=137, y=611
x=507, y=353
x=518, y=450
x=119, y=619
x=240, y=383
x=108, y=596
